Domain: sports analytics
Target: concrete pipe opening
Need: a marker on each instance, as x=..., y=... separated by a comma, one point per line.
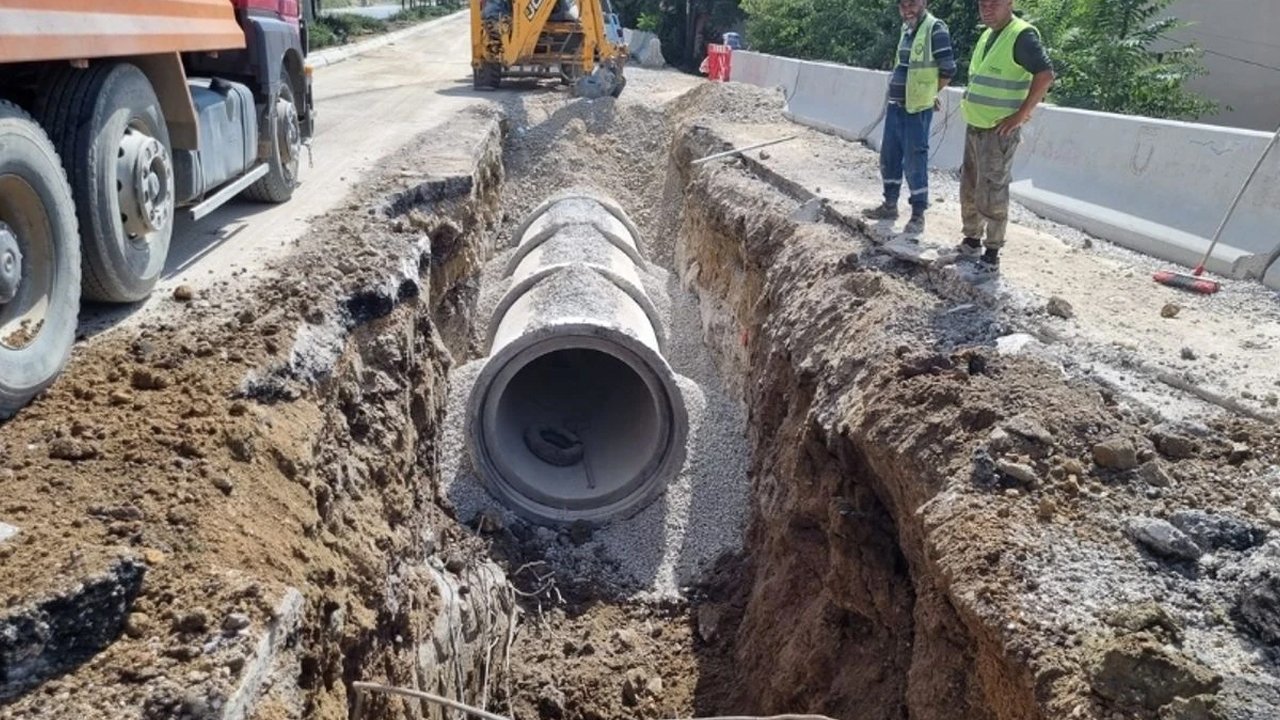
x=577, y=428
x=576, y=416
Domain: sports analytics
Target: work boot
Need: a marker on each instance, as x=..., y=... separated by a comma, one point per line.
x=970, y=247
x=883, y=211
x=990, y=260
x=915, y=226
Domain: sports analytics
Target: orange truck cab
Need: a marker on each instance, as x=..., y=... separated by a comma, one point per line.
x=115, y=114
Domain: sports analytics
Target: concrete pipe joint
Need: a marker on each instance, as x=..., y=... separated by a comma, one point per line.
x=576, y=415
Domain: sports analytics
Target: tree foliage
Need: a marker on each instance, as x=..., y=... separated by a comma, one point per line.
x=670, y=20
x=1112, y=55
x=1116, y=56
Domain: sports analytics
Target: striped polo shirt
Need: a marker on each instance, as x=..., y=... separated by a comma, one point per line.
x=942, y=54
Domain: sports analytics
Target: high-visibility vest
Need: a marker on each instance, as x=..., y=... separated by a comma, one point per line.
x=922, y=69
x=997, y=84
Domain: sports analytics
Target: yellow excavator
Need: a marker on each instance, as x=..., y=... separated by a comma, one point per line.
x=578, y=42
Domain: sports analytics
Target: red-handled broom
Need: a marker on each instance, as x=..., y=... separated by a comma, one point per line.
x=1194, y=282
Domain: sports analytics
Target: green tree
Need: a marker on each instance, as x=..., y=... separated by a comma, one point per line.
x=781, y=27
x=1118, y=56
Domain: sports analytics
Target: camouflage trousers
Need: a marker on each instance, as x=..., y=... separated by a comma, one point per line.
x=984, y=184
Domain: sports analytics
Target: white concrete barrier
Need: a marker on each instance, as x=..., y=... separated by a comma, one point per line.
x=769, y=71
x=1156, y=186
x=645, y=47
x=839, y=99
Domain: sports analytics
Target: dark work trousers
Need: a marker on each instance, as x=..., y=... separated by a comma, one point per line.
x=905, y=151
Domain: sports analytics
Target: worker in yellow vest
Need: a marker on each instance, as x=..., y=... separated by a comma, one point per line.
x=1009, y=75
x=926, y=64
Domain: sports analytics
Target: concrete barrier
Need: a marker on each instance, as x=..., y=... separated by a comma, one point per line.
x=1156, y=186
x=769, y=71
x=645, y=48
x=842, y=100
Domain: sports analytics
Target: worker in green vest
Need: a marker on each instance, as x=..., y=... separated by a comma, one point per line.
x=1009, y=76
x=926, y=64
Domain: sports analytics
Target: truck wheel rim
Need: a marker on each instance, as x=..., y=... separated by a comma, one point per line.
x=27, y=249
x=288, y=138
x=144, y=181
x=10, y=264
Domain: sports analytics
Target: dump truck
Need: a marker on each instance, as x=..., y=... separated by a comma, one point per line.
x=115, y=114
x=577, y=42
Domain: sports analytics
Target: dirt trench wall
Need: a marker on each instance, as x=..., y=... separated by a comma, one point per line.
x=845, y=612
x=248, y=521
x=417, y=607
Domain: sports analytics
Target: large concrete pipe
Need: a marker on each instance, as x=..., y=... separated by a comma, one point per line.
x=576, y=415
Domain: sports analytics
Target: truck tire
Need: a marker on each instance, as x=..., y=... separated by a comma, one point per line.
x=282, y=130
x=107, y=125
x=39, y=261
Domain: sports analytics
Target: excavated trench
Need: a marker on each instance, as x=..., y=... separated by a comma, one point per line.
x=783, y=568
x=673, y=447
x=698, y=455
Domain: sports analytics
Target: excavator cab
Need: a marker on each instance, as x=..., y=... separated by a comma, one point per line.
x=578, y=42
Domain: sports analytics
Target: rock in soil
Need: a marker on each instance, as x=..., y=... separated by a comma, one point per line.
x=551, y=702
x=1170, y=310
x=1200, y=707
x=1147, y=616
x=1059, y=307
x=1155, y=475
x=639, y=686
x=193, y=621
x=1139, y=672
x=1116, y=454
x=1218, y=532
x=1030, y=427
x=1260, y=594
x=148, y=379
x=1023, y=474
x=1163, y=539
x=235, y=622
x=73, y=450
x=1172, y=442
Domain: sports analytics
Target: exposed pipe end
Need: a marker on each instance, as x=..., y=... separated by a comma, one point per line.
x=576, y=416
x=577, y=423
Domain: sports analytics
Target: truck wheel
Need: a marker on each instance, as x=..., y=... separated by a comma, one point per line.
x=283, y=131
x=39, y=261
x=107, y=124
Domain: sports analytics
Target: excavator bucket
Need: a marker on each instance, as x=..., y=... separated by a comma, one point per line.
x=604, y=81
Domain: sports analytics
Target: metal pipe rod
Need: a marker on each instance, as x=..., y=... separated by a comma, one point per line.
x=737, y=151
